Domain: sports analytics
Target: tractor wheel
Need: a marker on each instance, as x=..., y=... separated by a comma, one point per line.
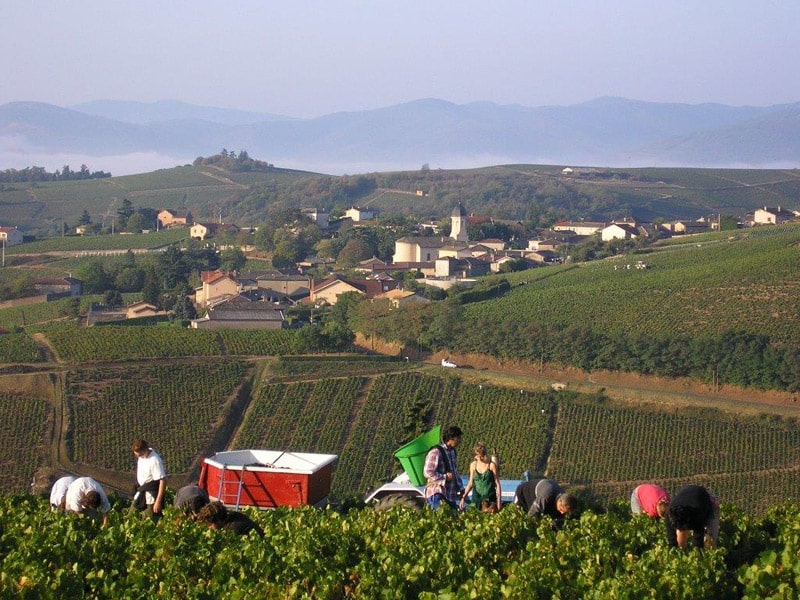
x=399, y=500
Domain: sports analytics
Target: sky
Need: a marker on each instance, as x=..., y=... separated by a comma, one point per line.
x=310, y=58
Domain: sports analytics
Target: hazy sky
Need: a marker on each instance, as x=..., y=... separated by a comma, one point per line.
x=309, y=58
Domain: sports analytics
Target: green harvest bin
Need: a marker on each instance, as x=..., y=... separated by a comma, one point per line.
x=412, y=455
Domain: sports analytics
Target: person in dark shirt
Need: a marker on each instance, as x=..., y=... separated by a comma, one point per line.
x=544, y=497
x=693, y=509
x=190, y=499
x=216, y=516
x=241, y=524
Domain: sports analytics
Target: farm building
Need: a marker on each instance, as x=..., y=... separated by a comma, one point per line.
x=202, y=231
x=772, y=216
x=241, y=312
x=11, y=236
x=175, y=218
x=216, y=285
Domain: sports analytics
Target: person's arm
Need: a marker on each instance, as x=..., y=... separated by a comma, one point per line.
x=105, y=506
x=431, y=465
x=537, y=507
x=672, y=533
x=470, y=484
x=162, y=486
x=699, y=536
x=498, y=487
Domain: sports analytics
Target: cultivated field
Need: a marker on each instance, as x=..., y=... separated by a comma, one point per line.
x=194, y=406
x=748, y=281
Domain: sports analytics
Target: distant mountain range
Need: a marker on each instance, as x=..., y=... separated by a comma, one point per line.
x=602, y=132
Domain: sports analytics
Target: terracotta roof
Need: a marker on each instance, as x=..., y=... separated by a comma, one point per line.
x=213, y=276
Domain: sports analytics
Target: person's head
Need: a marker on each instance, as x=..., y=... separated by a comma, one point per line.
x=681, y=517
x=480, y=451
x=662, y=507
x=452, y=436
x=195, y=505
x=91, y=500
x=213, y=514
x=141, y=448
x=566, y=503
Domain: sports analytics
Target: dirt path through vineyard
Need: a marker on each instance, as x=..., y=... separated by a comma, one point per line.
x=627, y=387
x=624, y=387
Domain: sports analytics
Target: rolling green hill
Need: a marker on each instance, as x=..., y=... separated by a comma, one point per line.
x=747, y=280
x=41, y=208
x=719, y=307
x=536, y=194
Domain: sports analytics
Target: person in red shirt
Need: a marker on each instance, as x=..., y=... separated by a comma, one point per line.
x=651, y=500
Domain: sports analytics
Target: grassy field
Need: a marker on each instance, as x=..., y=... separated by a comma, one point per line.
x=177, y=407
x=135, y=241
x=25, y=438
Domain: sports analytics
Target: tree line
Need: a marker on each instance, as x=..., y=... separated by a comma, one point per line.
x=40, y=174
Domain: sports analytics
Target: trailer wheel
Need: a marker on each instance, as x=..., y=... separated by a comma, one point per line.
x=399, y=500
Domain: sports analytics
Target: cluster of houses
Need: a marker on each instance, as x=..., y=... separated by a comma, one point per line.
x=168, y=218
x=257, y=300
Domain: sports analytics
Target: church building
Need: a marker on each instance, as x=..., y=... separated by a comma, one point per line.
x=426, y=249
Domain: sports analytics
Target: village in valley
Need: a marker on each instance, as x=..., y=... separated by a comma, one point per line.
x=424, y=265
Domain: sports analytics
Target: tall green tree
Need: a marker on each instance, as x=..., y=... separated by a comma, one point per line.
x=94, y=277
x=354, y=252
x=129, y=279
x=232, y=259
x=124, y=212
x=113, y=299
x=287, y=249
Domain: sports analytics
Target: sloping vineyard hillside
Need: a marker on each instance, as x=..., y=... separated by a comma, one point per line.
x=190, y=408
x=747, y=281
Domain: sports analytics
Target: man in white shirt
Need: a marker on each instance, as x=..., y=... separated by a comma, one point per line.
x=151, y=479
x=86, y=496
x=59, y=492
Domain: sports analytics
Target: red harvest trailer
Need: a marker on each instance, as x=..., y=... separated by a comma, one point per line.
x=267, y=478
